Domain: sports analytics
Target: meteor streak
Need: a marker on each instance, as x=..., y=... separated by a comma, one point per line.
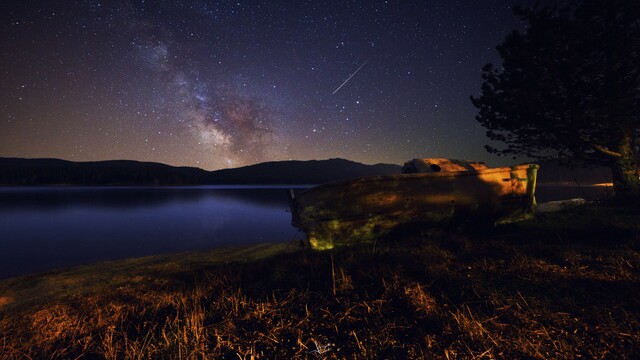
x=349, y=78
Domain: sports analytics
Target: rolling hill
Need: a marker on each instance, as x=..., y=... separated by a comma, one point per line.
x=25, y=172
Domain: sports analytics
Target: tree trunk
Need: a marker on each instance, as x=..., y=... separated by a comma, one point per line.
x=625, y=173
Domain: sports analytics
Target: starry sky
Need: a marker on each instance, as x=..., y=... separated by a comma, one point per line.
x=218, y=84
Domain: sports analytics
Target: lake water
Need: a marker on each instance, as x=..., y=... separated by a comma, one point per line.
x=51, y=227
x=547, y=192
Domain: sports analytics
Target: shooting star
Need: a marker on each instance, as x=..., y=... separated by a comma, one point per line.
x=349, y=78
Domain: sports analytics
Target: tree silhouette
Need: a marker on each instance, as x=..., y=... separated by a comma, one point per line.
x=569, y=87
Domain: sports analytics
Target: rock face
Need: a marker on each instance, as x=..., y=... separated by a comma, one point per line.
x=431, y=165
x=363, y=209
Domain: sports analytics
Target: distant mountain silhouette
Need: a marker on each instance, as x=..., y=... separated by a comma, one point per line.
x=300, y=172
x=15, y=171
x=18, y=172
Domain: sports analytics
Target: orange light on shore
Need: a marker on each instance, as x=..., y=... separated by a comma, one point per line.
x=603, y=184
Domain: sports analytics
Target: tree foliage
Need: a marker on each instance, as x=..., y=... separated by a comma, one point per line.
x=569, y=86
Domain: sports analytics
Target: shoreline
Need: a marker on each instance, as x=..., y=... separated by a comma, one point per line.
x=59, y=282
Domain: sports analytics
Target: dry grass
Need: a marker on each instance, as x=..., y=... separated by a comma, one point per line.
x=541, y=290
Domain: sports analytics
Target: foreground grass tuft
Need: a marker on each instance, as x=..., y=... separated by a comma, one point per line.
x=563, y=286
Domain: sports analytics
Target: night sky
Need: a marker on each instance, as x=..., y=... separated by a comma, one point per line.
x=225, y=84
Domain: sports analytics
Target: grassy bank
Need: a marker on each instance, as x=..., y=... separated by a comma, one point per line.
x=566, y=285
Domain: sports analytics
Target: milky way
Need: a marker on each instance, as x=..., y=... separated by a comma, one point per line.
x=218, y=84
x=225, y=123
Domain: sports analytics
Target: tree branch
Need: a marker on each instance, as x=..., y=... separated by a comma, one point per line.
x=606, y=151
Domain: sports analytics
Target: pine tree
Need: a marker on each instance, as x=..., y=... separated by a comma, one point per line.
x=569, y=87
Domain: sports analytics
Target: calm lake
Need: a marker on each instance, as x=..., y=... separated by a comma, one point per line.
x=51, y=227
x=43, y=228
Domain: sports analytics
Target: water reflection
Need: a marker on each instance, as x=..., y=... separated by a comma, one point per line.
x=44, y=228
